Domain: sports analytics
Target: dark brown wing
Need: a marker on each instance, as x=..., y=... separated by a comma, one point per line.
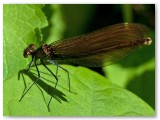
x=102, y=47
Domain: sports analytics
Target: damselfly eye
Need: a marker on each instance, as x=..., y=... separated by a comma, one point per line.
x=26, y=54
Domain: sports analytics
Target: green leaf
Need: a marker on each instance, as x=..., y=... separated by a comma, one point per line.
x=93, y=95
x=21, y=27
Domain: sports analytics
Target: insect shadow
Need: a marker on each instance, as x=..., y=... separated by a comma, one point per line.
x=58, y=95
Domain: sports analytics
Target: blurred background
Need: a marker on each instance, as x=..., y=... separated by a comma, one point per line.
x=135, y=72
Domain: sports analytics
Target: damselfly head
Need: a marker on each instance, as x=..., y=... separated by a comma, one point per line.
x=29, y=50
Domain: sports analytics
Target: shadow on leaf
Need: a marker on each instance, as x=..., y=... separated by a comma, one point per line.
x=58, y=95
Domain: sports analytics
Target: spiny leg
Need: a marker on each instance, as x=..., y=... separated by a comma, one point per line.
x=30, y=64
x=25, y=86
x=52, y=62
x=50, y=72
x=37, y=69
x=67, y=75
x=57, y=65
x=33, y=81
x=55, y=84
x=56, y=68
